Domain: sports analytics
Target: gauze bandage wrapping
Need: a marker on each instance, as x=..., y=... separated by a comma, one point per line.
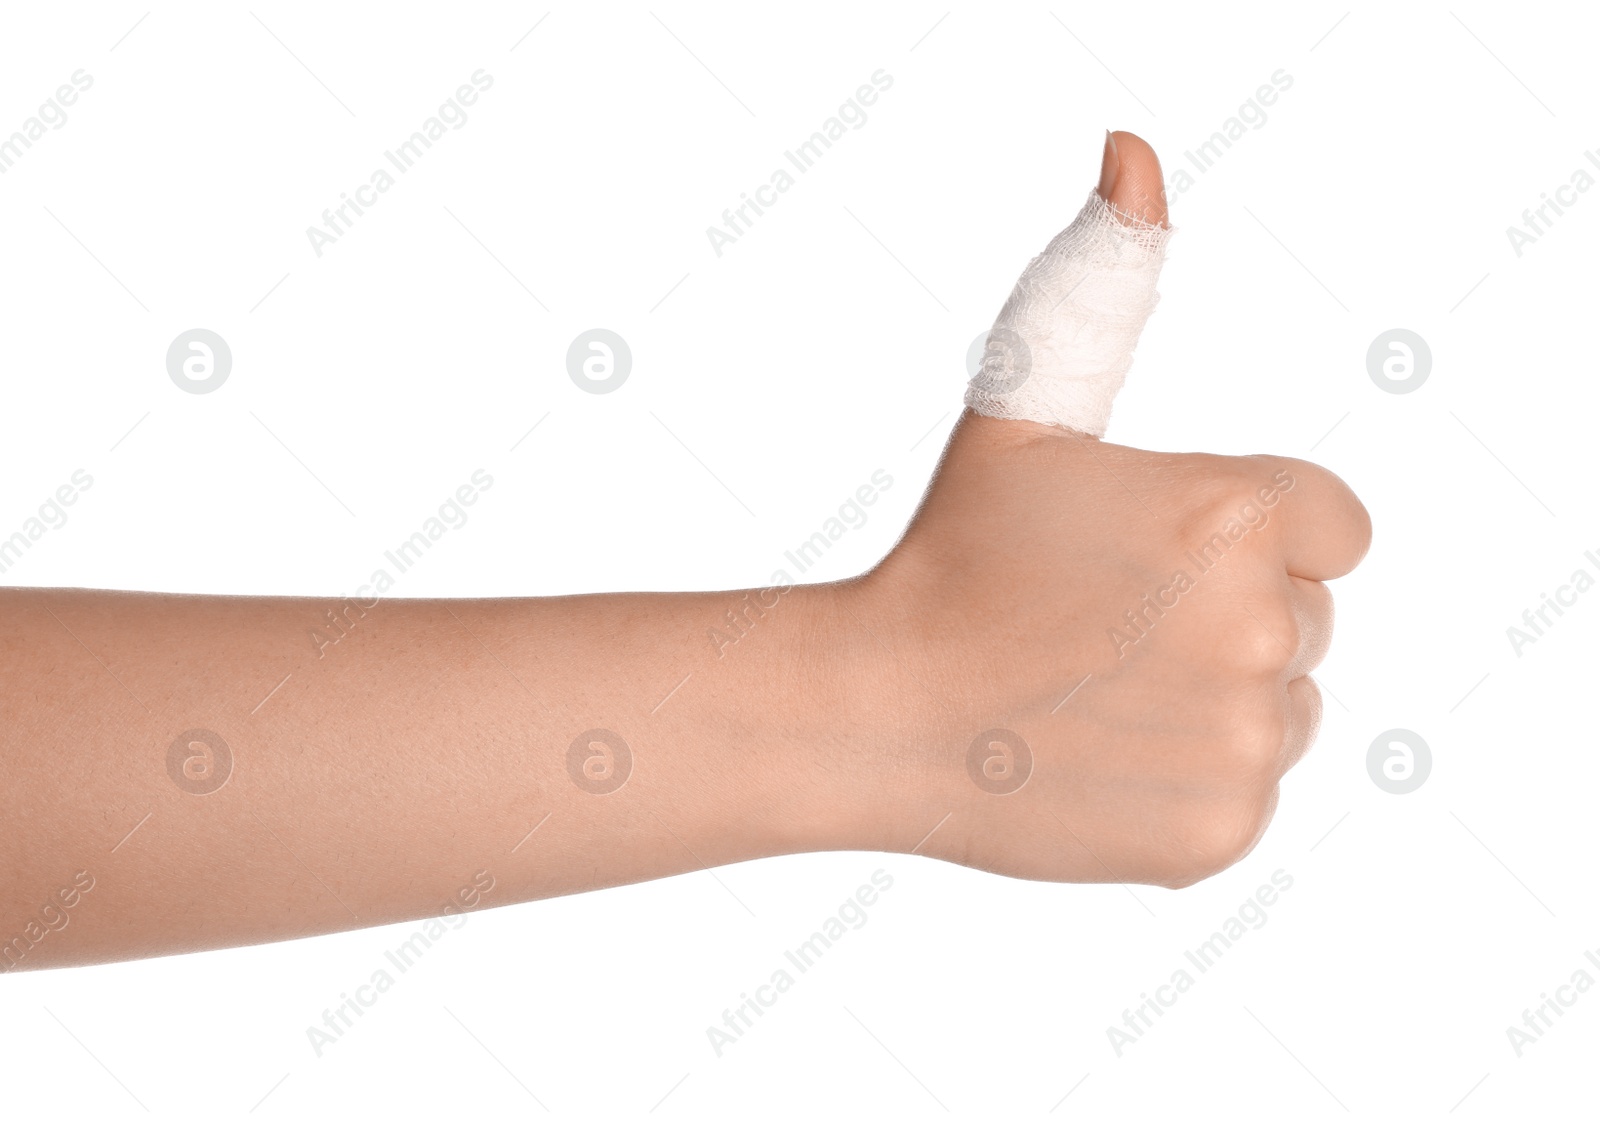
x=1063, y=343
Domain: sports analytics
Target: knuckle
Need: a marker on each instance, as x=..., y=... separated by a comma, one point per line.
x=1295, y=479
x=1223, y=515
x=1261, y=647
x=1260, y=739
x=1315, y=615
x=1217, y=840
x=1251, y=752
x=1305, y=700
x=1311, y=700
x=1286, y=631
x=1226, y=528
x=1337, y=507
x=1269, y=636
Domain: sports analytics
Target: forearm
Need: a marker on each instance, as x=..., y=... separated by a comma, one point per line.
x=419, y=754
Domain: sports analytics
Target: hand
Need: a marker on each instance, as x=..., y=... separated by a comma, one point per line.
x=1178, y=599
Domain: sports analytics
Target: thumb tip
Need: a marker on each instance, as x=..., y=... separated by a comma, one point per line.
x=1130, y=179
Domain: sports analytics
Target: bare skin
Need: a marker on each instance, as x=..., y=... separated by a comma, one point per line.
x=427, y=753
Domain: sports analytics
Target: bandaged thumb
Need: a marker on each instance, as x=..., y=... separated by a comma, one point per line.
x=1062, y=345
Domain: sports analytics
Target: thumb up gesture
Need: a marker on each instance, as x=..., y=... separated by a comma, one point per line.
x=1117, y=643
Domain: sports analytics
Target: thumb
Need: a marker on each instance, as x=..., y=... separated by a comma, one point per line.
x=1062, y=345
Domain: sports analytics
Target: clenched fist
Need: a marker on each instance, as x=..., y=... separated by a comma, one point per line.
x=1106, y=651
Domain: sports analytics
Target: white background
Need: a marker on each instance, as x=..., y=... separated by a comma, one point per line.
x=767, y=385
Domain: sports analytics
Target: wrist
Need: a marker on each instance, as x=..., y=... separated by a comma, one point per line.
x=868, y=775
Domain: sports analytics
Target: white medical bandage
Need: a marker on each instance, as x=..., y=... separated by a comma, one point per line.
x=1062, y=345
